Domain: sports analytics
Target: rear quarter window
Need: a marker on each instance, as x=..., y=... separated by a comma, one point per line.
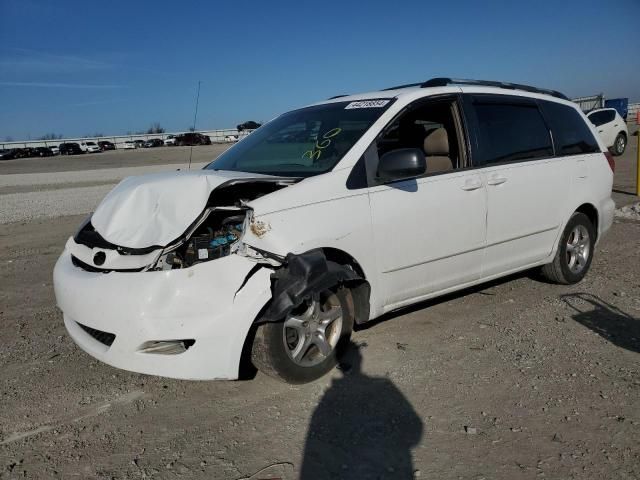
x=600, y=118
x=571, y=134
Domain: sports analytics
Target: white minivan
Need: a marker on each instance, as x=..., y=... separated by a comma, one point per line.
x=329, y=216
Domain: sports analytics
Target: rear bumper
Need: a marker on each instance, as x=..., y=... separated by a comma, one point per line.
x=607, y=208
x=213, y=303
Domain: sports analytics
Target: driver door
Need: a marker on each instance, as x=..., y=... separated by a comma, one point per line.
x=429, y=231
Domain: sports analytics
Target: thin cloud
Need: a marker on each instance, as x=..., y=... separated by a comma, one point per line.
x=60, y=85
x=94, y=102
x=34, y=60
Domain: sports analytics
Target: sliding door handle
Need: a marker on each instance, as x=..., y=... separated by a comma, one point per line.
x=496, y=180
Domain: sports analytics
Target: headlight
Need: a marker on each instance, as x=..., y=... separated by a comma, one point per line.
x=216, y=235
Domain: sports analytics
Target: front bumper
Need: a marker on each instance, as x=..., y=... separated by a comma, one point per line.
x=213, y=303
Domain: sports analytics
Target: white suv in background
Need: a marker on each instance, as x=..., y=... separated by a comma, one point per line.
x=329, y=216
x=90, y=147
x=611, y=127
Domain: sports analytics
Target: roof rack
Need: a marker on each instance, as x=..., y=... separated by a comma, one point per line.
x=444, y=81
x=337, y=96
x=406, y=85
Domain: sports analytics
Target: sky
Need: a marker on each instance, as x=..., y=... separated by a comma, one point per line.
x=78, y=68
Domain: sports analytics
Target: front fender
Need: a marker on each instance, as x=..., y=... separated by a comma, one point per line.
x=343, y=224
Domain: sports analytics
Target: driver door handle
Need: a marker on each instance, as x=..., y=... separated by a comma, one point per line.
x=496, y=180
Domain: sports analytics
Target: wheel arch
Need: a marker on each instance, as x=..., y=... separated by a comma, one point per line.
x=592, y=213
x=343, y=258
x=360, y=290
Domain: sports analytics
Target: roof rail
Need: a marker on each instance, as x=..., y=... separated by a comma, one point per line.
x=406, y=85
x=443, y=81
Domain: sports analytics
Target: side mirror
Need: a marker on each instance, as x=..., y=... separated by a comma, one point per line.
x=401, y=164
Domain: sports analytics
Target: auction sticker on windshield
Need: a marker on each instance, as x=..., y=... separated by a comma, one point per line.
x=367, y=104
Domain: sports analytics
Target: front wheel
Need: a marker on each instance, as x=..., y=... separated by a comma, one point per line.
x=307, y=343
x=620, y=144
x=575, y=252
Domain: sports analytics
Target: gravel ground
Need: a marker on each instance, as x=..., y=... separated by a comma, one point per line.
x=48, y=195
x=514, y=379
x=43, y=180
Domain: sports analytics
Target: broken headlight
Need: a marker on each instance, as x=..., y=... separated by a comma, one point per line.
x=215, y=237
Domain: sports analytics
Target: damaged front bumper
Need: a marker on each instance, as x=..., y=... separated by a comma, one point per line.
x=202, y=314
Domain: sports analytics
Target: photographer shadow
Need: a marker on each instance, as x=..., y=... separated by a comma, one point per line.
x=363, y=428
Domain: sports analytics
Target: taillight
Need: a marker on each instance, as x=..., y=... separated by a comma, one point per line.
x=612, y=162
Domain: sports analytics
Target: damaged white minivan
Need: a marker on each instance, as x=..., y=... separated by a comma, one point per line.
x=329, y=216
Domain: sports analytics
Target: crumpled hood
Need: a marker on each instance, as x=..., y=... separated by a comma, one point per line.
x=150, y=210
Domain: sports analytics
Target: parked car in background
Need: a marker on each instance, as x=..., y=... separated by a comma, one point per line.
x=8, y=154
x=129, y=145
x=250, y=125
x=43, y=152
x=27, y=152
x=55, y=150
x=139, y=143
x=230, y=138
x=170, y=140
x=192, y=139
x=20, y=153
x=70, y=148
x=277, y=248
x=90, y=147
x=153, y=142
x=106, y=145
x=611, y=127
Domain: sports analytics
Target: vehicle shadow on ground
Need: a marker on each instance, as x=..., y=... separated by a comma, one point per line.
x=363, y=427
x=605, y=319
x=481, y=289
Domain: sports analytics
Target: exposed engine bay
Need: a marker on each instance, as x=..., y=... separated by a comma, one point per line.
x=216, y=237
x=215, y=233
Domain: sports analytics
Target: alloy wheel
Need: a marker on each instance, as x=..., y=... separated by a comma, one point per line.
x=311, y=333
x=578, y=249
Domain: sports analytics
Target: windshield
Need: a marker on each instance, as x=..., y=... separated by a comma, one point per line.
x=304, y=142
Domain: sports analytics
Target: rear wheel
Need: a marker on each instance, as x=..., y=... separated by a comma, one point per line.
x=575, y=252
x=620, y=144
x=307, y=343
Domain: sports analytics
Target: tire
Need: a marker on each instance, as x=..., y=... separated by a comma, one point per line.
x=575, y=252
x=620, y=144
x=280, y=351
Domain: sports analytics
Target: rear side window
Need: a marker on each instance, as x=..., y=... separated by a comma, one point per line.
x=602, y=117
x=510, y=132
x=571, y=134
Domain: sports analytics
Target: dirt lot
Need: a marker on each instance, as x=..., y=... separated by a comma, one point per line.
x=515, y=379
